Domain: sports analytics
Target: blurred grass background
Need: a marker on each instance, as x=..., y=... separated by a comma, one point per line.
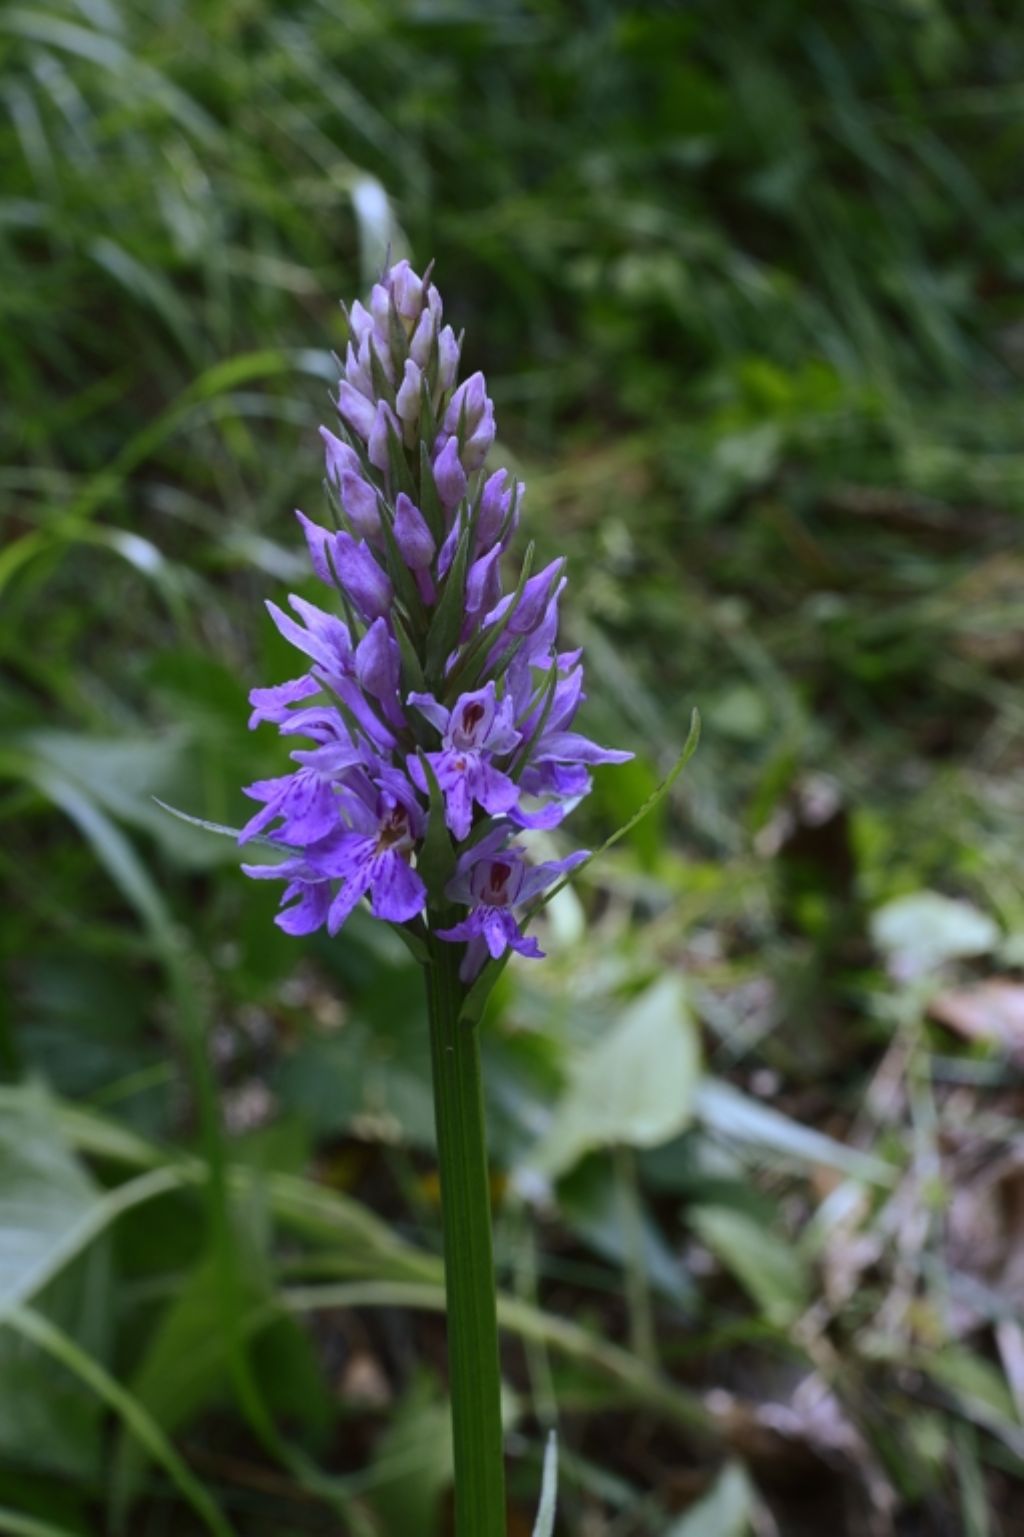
x=746, y=282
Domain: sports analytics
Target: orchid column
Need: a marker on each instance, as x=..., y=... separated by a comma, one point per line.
x=435, y=710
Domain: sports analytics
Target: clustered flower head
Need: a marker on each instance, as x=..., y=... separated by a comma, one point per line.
x=434, y=686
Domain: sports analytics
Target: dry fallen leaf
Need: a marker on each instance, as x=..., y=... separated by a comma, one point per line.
x=991, y=1011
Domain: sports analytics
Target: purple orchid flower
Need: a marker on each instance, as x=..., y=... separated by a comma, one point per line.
x=326, y=639
x=493, y=880
x=553, y=761
x=274, y=704
x=308, y=892
x=371, y=856
x=474, y=731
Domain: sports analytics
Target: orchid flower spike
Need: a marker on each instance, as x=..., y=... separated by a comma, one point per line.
x=435, y=689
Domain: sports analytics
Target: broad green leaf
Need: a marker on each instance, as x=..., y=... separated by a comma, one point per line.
x=766, y=1265
x=725, y=1511
x=377, y=1068
x=634, y=1086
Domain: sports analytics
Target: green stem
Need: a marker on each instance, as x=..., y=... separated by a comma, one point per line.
x=474, y=1369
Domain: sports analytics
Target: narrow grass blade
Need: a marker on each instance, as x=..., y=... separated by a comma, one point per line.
x=34, y=1327
x=545, y=1523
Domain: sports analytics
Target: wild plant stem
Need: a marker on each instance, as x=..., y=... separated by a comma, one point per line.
x=474, y=1371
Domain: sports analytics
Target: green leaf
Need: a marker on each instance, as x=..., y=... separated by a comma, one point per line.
x=383, y=1076
x=413, y=680
x=185, y=1367
x=33, y=1326
x=210, y=827
x=413, y=1462
x=725, y=1511
x=594, y=1203
x=921, y=931
x=15, y=1525
x=123, y=775
x=46, y=1200
x=729, y=1113
x=766, y=1265
x=634, y=1086
x=324, y=1216
x=114, y=851
x=413, y=941
x=48, y=1219
x=545, y=1522
x=218, y=827
x=976, y=1383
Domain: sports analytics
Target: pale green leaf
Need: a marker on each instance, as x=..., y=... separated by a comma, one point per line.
x=413, y=1463
x=725, y=1511
x=921, y=931
x=46, y=1198
x=635, y=1086
x=730, y=1113
x=767, y=1266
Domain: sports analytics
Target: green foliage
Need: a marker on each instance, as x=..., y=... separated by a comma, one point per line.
x=746, y=284
x=634, y=1086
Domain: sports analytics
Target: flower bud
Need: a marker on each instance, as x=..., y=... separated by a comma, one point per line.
x=407, y=290
x=408, y=399
x=340, y=457
x=483, y=582
x=422, y=339
x=359, y=502
x=318, y=541
x=377, y=438
x=414, y=539
x=356, y=409
x=478, y=445
x=378, y=662
x=467, y=406
x=361, y=578
x=449, y=476
x=494, y=505
x=447, y=359
x=360, y=322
